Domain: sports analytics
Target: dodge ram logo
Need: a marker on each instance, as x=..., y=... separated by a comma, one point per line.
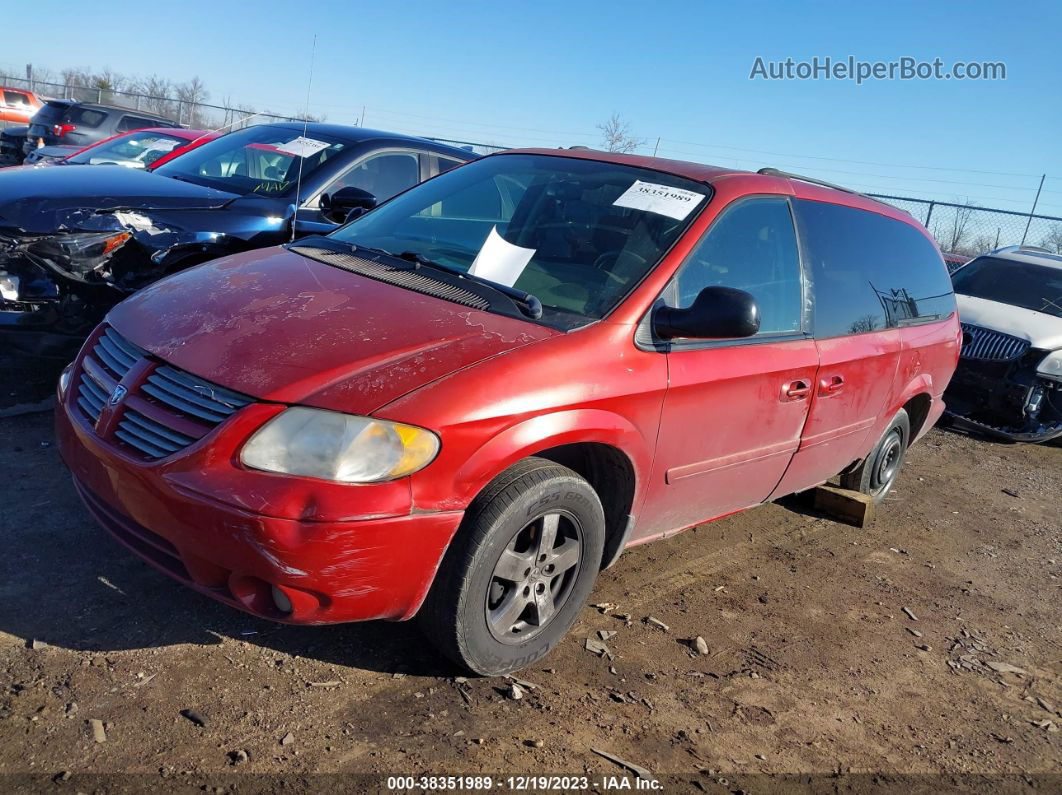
x=117, y=395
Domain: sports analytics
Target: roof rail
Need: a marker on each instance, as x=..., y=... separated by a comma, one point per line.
x=1019, y=249
x=775, y=172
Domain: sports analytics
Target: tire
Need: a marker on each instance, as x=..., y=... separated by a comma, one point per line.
x=495, y=564
x=878, y=472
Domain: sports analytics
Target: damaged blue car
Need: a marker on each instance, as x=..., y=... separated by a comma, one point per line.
x=74, y=242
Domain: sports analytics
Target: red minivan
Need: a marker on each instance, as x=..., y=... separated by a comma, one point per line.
x=465, y=403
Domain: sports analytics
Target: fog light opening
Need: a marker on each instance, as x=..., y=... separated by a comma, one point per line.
x=281, y=600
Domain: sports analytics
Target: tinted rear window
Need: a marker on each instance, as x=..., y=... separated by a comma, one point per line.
x=50, y=113
x=870, y=272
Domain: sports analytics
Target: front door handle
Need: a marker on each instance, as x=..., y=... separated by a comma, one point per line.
x=796, y=390
x=831, y=386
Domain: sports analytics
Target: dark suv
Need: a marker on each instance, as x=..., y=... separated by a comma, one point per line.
x=66, y=122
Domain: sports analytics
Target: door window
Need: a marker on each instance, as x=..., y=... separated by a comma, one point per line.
x=870, y=272
x=751, y=247
x=383, y=175
x=136, y=123
x=17, y=100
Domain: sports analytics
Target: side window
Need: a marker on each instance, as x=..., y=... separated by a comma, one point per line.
x=870, y=272
x=446, y=163
x=86, y=117
x=752, y=247
x=136, y=123
x=382, y=175
x=17, y=100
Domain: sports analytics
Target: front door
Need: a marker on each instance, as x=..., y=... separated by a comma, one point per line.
x=734, y=409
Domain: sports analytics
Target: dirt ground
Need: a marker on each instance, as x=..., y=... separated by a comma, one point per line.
x=833, y=653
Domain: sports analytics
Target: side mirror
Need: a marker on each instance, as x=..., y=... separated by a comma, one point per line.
x=716, y=313
x=345, y=204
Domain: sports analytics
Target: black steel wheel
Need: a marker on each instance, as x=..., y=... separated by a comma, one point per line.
x=877, y=473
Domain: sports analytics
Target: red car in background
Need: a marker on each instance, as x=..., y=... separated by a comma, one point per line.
x=147, y=148
x=954, y=261
x=17, y=106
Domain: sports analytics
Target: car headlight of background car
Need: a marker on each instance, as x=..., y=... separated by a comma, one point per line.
x=82, y=251
x=1051, y=366
x=342, y=447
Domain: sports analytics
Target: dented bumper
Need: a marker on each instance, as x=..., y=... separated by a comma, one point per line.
x=1006, y=399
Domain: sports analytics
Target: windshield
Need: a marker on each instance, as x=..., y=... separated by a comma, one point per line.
x=137, y=150
x=577, y=234
x=1036, y=287
x=261, y=159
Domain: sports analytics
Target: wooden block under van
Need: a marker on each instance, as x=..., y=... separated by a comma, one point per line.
x=845, y=505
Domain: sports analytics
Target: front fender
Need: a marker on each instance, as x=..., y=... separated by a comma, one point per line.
x=526, y=438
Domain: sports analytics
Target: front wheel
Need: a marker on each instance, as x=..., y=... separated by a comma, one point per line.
x=879, y=470
x=519, y=570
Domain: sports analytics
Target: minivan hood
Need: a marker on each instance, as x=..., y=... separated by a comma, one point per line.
x=280, y=327
x=47, y=200
x=1043, y=331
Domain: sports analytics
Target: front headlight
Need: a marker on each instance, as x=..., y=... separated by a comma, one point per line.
x=1051, y=366
x=333, y=446
x=86, y=250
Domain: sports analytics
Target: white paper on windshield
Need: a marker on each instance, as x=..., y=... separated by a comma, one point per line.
x=661, y=199
x=501, y=261
x=161, y=145
x=303, y=147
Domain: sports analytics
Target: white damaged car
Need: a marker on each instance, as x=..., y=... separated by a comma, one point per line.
x=1009, y=380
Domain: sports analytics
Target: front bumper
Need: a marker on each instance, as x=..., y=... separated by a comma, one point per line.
x=1006, y=399
x=331, y=570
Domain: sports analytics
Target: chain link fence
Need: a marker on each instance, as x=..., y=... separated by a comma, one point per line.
x=189, y=112
x=970, y=230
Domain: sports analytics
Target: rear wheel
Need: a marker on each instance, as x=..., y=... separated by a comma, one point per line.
x=519, y=570
x=879, y=470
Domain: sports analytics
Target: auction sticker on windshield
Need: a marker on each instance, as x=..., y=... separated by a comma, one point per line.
x=661, y=199
x=303, y=147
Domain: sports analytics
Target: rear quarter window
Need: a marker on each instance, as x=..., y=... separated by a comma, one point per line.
x=85, y=117
x=870, y=272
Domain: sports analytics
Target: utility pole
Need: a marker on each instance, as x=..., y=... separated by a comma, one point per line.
x=1033, y=210
x=657, y=145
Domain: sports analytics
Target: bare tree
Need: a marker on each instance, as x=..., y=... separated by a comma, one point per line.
x=617, y=137
x=1053, y=239
x=191, y=94
x=980, y=245
x=156, y=91
x=952, y=237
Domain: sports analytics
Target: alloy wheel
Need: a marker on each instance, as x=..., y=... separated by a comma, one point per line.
x=533, y=577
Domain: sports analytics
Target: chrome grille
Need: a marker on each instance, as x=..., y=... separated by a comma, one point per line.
x=115, y=353
x=149, y=437
x=993, y=346
x=91, y=396
x=159, y=416
x=191, y=395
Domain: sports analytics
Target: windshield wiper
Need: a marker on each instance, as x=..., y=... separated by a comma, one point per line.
x=527, y=303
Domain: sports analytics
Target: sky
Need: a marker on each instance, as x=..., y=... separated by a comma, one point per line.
x=547, y=73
